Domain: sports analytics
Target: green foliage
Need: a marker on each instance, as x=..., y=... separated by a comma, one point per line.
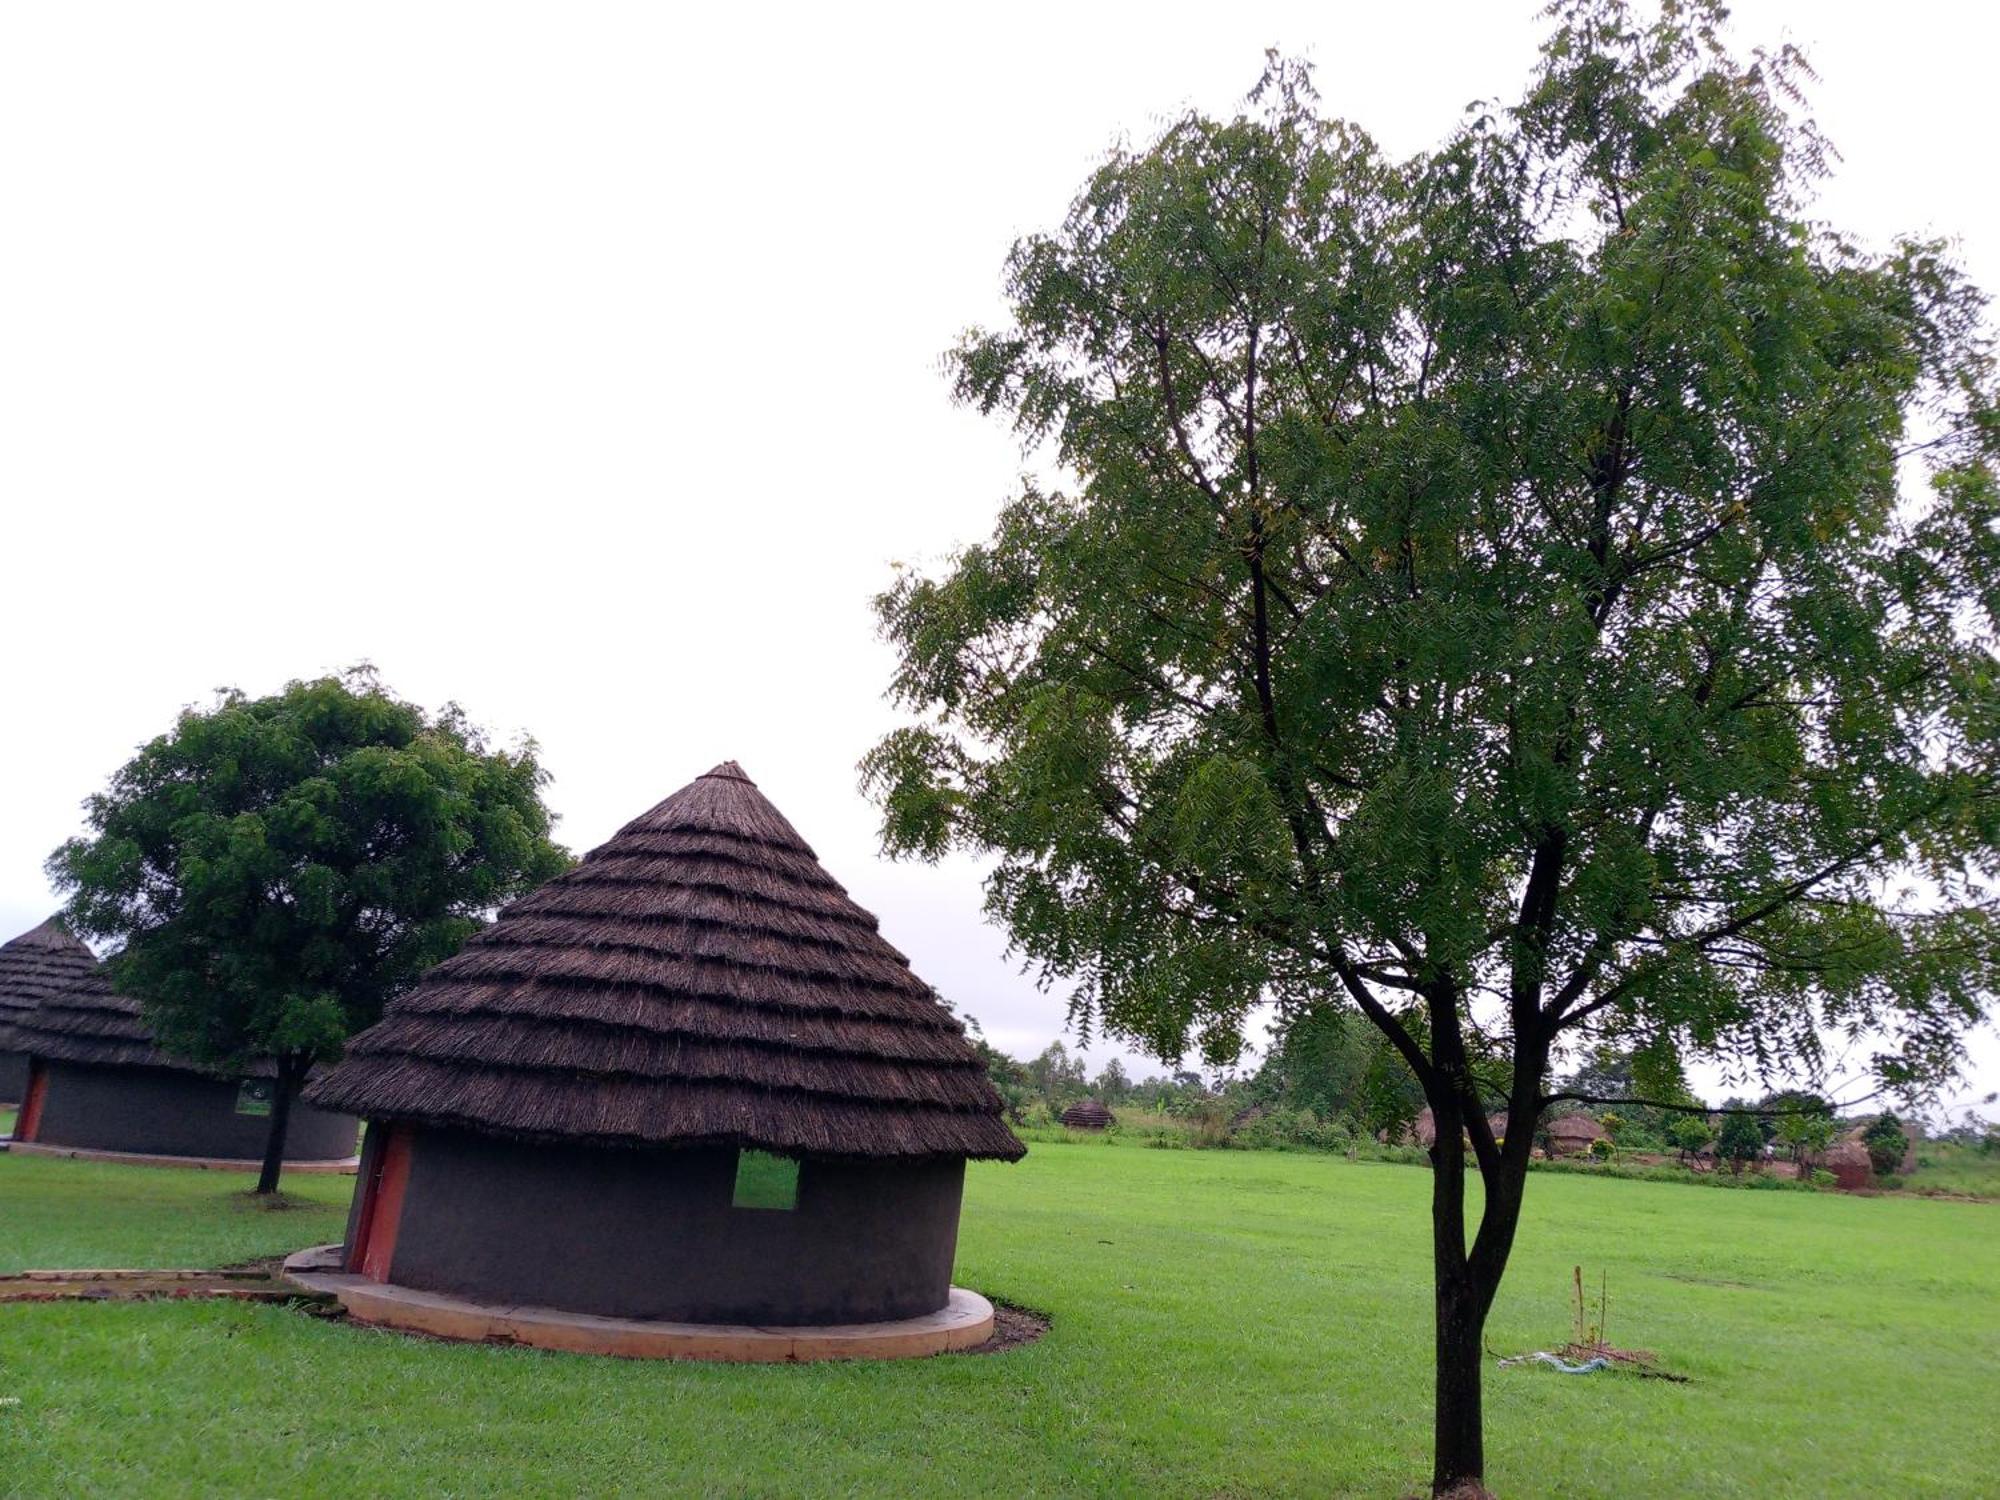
x=1739, y=1141
x=1111, y=1084
x=1482, y=570
x=1957, y=1168
x=1805, y=1130
x=1331, y=1063
x=1483, y=574
x=1056, y=1077
x=275, y=869
x=1293, y=1130
x=1885, y=1143
x=1689, y=1177
x=1692, y=1135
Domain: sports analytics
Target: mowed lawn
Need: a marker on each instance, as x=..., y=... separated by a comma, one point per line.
x=1225, y=1324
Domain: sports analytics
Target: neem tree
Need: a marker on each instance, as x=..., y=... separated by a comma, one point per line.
x=1484, y=598
x=275, y=869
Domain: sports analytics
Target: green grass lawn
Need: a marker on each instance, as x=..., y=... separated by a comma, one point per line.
x=1953, y=1168
x=1226, y=1324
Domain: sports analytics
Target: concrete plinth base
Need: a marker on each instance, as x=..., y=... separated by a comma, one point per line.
x=964, y=1322
x=347, y=1164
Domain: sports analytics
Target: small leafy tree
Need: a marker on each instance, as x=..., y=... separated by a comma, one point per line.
x=1057, y=1076
x=1112, y=1085
x=1739, y=1141
x=1804, y=1131
x=275, y=869
x=1692, y=1135
x=1480, y=594
x=1886, y=1144
x=1337, y=1065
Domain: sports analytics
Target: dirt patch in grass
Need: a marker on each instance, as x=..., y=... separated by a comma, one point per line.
x=1013, y=1326
x=271, y=1203
x=243, y=1284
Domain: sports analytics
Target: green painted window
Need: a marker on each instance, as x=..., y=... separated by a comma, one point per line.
x=766, y=1181
x=253, y=1096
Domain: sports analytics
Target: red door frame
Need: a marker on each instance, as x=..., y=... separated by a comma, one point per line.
x=381, y=1204
x=29, y=1124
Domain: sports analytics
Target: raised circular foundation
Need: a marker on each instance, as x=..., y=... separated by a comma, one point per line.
x=347, y=1164
x=965, y=1322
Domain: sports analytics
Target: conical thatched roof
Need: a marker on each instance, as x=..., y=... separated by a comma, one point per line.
x=697, y=979
x=1577, y=1127
x=86, y=1021
x=34, y=966
x=1088, y=1114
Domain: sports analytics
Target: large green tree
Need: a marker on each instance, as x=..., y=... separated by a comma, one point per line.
x=1536, y=593
x=273, y=870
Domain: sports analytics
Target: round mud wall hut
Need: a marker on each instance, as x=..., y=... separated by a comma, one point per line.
x=97, y=1083
x=33, y=966
x=688, y=1080
x=1088, y=1114
x=1573, y=1135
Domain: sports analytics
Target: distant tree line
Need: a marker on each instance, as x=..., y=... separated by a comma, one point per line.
x=1326, y=1079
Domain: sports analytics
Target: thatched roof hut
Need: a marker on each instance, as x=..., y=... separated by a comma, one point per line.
x=33, y=966
x=1573, y=1135
x=1089, y=1114
x=1857, y=1132
x=98, y=1082
x=688, y=1079
x=1426, y=1132
x=1848, y=1160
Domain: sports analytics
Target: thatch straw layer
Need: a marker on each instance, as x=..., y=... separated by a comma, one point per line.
x=87, y=1021
x=697, y=979
x=35, y=965
x=81, y=1018
x=1089, y=1114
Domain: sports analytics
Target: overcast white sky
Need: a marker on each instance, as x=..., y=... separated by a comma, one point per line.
x=580, y=362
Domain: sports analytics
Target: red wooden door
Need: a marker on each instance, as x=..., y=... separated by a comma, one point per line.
x=382, y=1206
x=29, y=1125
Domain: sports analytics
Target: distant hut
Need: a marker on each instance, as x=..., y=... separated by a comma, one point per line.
x=1088, y=1114
x=1574, y=1135
x=687, y=1080
x=1847, y=1159
x=98, y=1083
x=1425, y=1130
x=33, y=966
x=1858, y=1131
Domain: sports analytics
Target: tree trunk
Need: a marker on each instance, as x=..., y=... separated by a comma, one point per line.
x=290, y=1074
x=1458, y=1435
x=1458, y=1466
x=1464, y=1288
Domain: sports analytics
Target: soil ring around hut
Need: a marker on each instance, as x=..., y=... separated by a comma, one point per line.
x=257, y=1281
x=967, y=1324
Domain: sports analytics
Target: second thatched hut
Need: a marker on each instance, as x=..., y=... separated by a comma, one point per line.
x=1089, y=1114
x=687, y=1080
x=33, y=966
x=98, y=1084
